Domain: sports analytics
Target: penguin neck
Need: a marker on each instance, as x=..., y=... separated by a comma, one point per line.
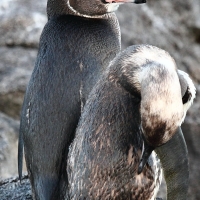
x=76, y=13
x=63, y=7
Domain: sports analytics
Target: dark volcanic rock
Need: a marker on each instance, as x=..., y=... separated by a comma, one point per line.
x=13, y=189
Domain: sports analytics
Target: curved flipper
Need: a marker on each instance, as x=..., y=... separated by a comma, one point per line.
x=174, y=159
x=20, y=155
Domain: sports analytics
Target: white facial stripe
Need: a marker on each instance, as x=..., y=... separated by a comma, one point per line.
x=110, y=8
x=82, y=15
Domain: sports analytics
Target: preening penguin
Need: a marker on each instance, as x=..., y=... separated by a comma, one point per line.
x=79, y=40
x=137, y=99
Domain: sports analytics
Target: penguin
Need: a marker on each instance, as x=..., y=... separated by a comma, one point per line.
x=135, y=107
x=79, y=40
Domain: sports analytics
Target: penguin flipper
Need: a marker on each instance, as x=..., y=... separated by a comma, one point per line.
x=20, y=155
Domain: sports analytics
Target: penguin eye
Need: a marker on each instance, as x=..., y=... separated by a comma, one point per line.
x=187, y=96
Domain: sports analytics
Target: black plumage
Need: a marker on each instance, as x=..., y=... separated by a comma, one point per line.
x=73, y=52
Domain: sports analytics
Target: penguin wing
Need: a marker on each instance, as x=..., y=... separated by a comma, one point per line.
x=20, y=155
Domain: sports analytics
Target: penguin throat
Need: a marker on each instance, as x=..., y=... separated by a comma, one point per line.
x=111, y=7
x=75, y=12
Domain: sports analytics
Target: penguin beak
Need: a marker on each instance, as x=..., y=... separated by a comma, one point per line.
x=146, y=152
x=139, y=1
x=126, y=1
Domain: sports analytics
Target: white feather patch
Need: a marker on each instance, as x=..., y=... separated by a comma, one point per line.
x=192, y=90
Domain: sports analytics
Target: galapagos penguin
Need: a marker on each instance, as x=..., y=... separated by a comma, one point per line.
x=79, y=40
x=135, y=107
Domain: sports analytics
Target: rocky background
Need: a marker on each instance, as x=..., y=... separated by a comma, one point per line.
x=171, y=25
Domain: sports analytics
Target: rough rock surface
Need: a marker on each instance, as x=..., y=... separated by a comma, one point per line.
x=8, y=138
x=171, y=25
x=16, y=65
x=12, y=189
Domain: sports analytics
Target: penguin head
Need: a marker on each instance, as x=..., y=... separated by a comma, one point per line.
x=151, y=74
x=95, y=8
x=188, y=93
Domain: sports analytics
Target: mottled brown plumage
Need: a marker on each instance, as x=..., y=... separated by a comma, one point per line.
x=104, y=157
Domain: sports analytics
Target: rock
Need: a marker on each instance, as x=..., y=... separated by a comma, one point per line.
x=8, y=146
x=171, y=25
x=21, y=22
x=15, y=70
x=13, y=189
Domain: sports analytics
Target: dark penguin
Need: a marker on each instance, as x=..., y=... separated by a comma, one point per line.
x=79, y=40
x=137, y=99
